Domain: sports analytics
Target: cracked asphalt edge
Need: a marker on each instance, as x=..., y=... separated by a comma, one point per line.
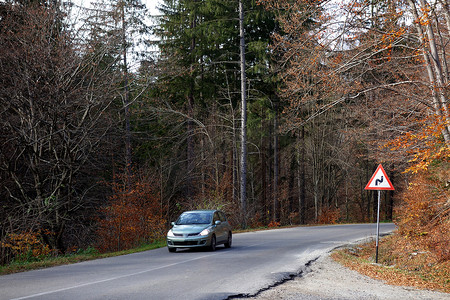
x=305, y=269
x=288, y=276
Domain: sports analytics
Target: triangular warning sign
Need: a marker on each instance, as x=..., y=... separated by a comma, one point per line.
x=379, y=181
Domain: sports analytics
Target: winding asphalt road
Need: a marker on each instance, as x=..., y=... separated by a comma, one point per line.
x=256, y=261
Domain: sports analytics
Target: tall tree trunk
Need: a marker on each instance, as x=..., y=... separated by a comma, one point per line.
x=276, y=203
x=126, y=100
x=346, y=199
x=243, y=118
x=203, y=167
x=234, y=157
x=301, y=177
x=291, y=187
x=368, y=193
x=190, y=124
x=235, y=164
x=436, y=76
x=264, y=186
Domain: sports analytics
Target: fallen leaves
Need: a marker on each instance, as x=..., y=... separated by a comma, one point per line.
x=419, y=270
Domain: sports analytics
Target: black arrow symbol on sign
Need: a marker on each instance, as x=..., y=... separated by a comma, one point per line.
x=378, y=181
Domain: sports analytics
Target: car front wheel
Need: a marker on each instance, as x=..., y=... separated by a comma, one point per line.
x=228, y=243
x=172, y=249
x=212, y=247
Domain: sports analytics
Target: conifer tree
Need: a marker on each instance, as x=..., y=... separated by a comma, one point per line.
x=200, y=77
x=116, y=29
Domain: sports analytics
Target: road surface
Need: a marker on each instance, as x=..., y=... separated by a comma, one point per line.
x=256, y=261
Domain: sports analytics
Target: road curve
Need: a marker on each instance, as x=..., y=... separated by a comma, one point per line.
x=256, y=261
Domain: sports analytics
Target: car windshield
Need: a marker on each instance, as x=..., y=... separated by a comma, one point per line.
x=194, y=218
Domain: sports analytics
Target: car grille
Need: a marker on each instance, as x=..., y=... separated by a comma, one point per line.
x=186, y=243
x=190, y=234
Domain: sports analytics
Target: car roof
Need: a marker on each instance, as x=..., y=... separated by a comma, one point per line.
x=200, y=210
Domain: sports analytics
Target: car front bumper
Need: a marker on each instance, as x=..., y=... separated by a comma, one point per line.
x=188, y=242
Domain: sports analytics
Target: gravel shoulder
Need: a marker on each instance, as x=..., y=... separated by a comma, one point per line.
x=327, y=279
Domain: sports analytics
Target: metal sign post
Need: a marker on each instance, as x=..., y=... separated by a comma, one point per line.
x=379, y=182
x=378, y=227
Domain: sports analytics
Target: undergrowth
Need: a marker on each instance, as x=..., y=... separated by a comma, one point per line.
x=79, y=256
x=417, y=267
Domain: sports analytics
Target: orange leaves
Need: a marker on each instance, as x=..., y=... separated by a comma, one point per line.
x=400, y=264
x=424, y=218
x=26, y=246
x=424, y=145
x=389, y=38
x=273, y=224
x=329, y=215
x=132, y=217
x=424, y=20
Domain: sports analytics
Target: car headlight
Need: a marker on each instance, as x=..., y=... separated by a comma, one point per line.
x=205, y=231
x=170, y=233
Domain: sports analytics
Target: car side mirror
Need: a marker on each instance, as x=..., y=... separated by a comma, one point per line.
x=217, y=222
x=172, y=223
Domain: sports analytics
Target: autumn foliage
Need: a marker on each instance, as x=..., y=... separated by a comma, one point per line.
x=26, y=246
x=396, y=266
x=133, y=216
x=273, y=224
x=329, y=215
x=424, y=217
x=424, y=145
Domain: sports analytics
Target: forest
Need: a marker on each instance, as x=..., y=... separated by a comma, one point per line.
x=113, y=121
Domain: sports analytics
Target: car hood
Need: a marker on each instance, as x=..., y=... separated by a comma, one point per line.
x=185, y=229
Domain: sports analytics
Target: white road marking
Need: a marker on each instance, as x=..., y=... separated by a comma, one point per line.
x=122, y=276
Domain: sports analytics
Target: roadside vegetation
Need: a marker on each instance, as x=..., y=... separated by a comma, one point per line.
x=28, y=262
x=418, y=253
x=110, y=127
x=398, y=264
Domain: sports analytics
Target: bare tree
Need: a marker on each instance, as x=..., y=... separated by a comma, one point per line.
x=55, y=116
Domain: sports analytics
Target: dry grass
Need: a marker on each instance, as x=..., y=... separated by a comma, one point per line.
x=90, y=254
x=413, y=267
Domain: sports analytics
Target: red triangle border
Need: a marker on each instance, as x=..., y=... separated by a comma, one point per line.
x=390, y=188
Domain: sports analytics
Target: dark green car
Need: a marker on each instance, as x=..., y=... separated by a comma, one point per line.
x=200, y=228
